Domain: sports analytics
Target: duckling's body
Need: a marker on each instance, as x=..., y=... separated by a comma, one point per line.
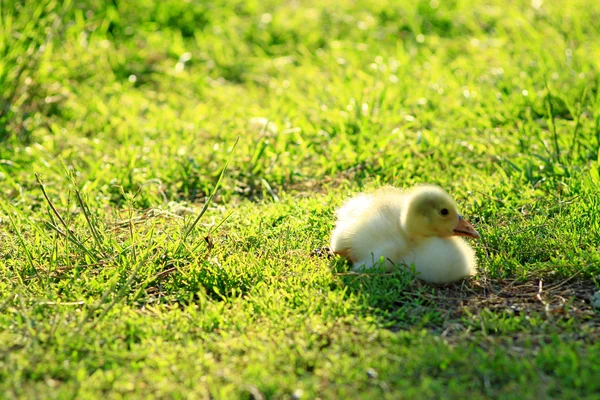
x=417, y=227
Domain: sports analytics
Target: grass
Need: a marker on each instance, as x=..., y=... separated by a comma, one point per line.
x=134, y=265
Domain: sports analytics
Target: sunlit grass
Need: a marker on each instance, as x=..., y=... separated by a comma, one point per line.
x=121, y=274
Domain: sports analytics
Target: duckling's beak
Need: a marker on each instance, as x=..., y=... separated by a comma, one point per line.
x=465, y=229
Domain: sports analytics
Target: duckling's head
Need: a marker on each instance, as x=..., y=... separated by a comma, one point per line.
x=430, y=211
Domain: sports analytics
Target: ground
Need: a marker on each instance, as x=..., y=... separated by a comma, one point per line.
x=169, y=168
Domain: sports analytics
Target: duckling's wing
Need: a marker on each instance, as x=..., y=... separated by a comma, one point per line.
x=366, y=222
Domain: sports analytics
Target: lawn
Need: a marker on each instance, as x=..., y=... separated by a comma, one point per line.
x=168, y=169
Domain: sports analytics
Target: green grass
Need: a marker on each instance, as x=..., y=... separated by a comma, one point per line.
x=121, y=277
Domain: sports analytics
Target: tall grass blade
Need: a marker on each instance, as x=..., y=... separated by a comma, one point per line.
x=208, y=201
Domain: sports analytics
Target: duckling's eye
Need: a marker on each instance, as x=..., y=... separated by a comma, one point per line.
x=444, y=211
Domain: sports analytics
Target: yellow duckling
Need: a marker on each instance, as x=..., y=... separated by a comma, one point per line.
x=418, y=227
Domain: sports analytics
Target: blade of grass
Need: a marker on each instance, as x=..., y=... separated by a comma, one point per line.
x=67, y=233
x=574, y=140
x=84, y=209
x=550, y=110
x=214, y=228
x=208, y=201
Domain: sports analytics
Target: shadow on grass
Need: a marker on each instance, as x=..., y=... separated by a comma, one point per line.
x=402, y=301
